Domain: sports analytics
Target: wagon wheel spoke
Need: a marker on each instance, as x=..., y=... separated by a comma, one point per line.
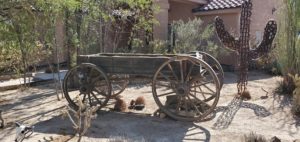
x=82, y=79
x=195, y=106
x=119, y=83
x=172, y=70
x=201, y=92
x=100, y=92
x=185, y=105
x=184, y=93
x=165, y=94
x=202, y=84
x=90, y=100
x=214, y=63
x=95, y=79
x=164, y=85
x=203, y=71
x=92, y=73
x=209, y=89
x=79, y=76
x=84, y=96
x=189, y=73
x=99, y=102
x=181, y=72
x=199, y=100
x=167, y=78
x=178, y=105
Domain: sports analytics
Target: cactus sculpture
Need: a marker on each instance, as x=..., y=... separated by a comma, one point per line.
x=241, y=44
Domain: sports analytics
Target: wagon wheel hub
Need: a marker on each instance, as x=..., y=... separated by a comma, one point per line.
x=85, y=89
x=182, y=89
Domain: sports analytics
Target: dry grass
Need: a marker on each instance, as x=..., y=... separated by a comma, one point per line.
x=252, y=137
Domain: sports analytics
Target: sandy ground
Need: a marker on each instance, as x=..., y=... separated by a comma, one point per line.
x=233, y=119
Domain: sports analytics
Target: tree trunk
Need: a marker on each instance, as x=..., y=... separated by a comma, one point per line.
x=67, y=17
x=22, y=49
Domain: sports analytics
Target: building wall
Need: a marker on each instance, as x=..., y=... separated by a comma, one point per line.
x=172, y=10
x=160, y=31
x=231, y=22
x=181, y=11
x=262, y=11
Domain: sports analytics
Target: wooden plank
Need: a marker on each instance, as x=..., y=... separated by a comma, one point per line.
x=138, y=64
x=125, y=64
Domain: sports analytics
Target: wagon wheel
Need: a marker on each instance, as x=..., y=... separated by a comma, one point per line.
x=186, y=88
x=213, y=62
x=88, y=82
x=118, y=82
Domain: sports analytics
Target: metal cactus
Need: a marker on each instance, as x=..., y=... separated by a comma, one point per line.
x=241, y=44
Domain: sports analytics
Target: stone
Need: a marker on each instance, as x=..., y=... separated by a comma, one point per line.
x=275, y=139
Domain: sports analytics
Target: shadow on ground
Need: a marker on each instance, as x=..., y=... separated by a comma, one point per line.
x=228, y=112
x=130, y=126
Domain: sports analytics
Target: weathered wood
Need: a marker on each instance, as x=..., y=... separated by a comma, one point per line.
x=142, y=64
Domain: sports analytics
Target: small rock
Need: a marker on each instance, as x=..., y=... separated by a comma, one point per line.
x=264, y=97
x=275, y=139
x=162, y=115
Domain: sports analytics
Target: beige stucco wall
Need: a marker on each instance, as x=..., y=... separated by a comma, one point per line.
x=263, y=10
x=160, y=31
x=181, y=11
x=172, y=10
x=231, y=22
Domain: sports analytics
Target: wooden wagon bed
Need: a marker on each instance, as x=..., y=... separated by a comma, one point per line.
x=185, y=87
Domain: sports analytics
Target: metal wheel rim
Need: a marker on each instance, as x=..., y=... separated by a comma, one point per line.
x=174, y=115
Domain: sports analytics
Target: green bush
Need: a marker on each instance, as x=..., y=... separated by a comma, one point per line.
x=159, y=46
x=194, y=35
x=288, y=44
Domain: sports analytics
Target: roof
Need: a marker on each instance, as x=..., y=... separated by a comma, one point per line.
x=219, y=5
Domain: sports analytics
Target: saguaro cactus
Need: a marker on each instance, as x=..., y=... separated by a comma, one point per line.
x=241, y=44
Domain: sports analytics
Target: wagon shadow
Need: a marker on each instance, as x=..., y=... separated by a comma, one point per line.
x=130, y=126
x=229, y=112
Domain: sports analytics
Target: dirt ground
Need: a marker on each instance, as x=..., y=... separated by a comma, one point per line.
x=269, y=116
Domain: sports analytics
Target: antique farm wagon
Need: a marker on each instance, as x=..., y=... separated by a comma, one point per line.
x=185, y=87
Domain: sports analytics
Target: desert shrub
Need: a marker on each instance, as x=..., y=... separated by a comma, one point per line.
x=288, y=45
x=194, y=35
x=81, y=118
x=268, y=64
x=159, y=46
x=296, y=95
x=252, y=137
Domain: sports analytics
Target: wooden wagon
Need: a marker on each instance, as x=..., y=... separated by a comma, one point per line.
x=185, y=87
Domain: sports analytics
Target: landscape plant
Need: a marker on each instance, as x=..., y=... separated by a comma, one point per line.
x=288, y=43
x=296, y=95
x=81, y=118
x=194, y=35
